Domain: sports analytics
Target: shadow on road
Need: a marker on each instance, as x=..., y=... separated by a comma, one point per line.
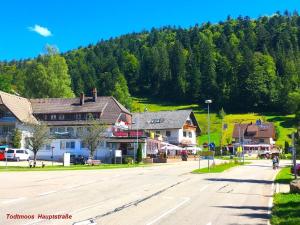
x=255, y=165
x=241, y=180
x=257, y=214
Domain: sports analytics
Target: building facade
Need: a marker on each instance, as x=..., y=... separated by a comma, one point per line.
x=179, y=127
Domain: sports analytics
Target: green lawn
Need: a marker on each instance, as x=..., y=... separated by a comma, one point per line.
x=286, y=209
x=284, y=176
x=283, y=122
x=72, y=167
x=219, y=168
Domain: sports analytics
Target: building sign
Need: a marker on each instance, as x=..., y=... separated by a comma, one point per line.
x=207, y=153
x=118, y=153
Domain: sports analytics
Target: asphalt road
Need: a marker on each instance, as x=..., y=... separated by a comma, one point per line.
x=164, y=194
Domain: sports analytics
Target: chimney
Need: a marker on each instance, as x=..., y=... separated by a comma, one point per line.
x=81, y=98
x=94, y=92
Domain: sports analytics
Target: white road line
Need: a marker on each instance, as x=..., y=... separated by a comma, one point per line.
x=47, y=193
x=167, y=197
x=270, y=205
x=33, y=222
x=13, y=200
x=203, y=188
x=169, y=211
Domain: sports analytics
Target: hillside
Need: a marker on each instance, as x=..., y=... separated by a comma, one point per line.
x=283, y=123
x=241, y=64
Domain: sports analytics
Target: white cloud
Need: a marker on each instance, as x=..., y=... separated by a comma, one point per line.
x=41, y=30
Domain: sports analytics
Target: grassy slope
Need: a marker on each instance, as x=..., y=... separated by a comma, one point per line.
x=284, y=123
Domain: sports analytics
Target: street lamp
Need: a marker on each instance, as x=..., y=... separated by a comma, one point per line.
x=208, y=121
x=52, y=147
x=241, y=140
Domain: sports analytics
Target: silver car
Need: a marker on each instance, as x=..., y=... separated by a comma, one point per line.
x=17, y=154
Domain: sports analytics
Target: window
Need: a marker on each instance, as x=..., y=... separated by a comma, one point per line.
x=168, y=133
x=61, y=116
x=261, y=140
x=53, y=117
x=184, y=133
x=62, y=145
x=11, y=151
x=78, y=116
x=82, y=145
x=61, y=130
x=20, y=151
x=157, y=132
x=70, y=130
x=48, y=147
x=190, y=135
x=70, y=144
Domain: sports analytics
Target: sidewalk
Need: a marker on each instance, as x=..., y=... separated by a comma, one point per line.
x=282, y=188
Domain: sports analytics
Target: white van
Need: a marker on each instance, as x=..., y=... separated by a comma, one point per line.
x=17, y=154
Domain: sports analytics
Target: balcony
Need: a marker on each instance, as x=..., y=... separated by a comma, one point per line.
x=129, y=133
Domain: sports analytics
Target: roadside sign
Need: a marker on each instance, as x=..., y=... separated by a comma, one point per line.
x=207, y=153
x=212, y=145
x=239, y=149
x=118, y=153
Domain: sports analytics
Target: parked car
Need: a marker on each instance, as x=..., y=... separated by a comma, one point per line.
x=17, y=154
x=2, y=152
x=297, y=168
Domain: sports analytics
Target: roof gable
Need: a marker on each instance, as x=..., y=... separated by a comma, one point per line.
x=20, y=107
x=163, y=120
x=264, y=130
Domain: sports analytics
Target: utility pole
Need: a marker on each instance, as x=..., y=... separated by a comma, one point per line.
x=294, y=155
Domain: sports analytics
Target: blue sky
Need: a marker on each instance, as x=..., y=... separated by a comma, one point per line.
x=27, y=26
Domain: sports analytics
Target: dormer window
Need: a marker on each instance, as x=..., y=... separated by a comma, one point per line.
x=154, y=121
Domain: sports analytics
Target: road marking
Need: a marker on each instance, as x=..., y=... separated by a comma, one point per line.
x=272, y=187
x=169, y=211
x=270, y=205
x=47, y=193
x=33, y=222
x=13, y=200
x=85, y=222
x=203, y=188
x=167, y=197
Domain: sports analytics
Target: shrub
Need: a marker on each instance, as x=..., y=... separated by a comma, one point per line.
x=16, y=139
x=139, y=156
x=127, y=160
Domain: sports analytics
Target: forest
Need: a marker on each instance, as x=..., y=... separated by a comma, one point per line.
x=242, y=64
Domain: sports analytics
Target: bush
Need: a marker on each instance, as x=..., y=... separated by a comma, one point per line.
x=139, y=156
x=16, y=139
x=127, y=160
x=285, y=156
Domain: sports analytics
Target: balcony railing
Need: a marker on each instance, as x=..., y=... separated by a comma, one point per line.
x=129, y=133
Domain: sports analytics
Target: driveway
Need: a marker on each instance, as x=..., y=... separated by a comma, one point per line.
x=164, y=194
